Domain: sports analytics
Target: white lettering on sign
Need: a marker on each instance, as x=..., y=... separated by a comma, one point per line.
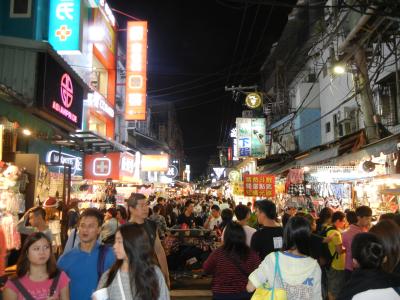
x=172, y=171
x=107, y=12
x=56, y=157
x=97, y=101
x=65, y=10
x=127, y=164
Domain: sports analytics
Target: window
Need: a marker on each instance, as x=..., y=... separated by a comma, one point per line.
x=328, y=127
x=20, y=8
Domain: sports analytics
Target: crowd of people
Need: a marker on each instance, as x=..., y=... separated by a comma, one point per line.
x=122, y=253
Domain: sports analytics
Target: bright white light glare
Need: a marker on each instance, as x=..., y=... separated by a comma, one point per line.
x=306, y=169
x=27, y=132
x=96, y=33
x=339, y=69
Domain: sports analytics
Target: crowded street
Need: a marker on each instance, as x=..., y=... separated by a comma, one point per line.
x=199, y=150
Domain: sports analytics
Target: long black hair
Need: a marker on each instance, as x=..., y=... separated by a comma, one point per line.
x=23, y=263
x=235, y=241
x=141, y=263
x=296, y=235
x=368, y=250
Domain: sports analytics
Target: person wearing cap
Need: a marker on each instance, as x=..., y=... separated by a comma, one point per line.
x=37, y=221
x=290, y=211
x=138, y=210
x=269, y=237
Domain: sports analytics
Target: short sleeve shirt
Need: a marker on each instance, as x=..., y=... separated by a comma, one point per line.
x=39, y=290
x=338, y=261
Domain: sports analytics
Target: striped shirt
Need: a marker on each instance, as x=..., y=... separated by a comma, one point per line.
x=227, y=278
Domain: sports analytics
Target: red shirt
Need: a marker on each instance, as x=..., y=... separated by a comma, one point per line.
x=227, y=278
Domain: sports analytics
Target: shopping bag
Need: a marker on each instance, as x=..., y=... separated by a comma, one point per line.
x=265, y=292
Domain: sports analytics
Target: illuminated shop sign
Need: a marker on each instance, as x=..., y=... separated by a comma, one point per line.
x=102, y=166
x=65, y=26
x=107, y=12
x=251, y=137
x=60, y=93
x=98, y=102
x=253, y=100
x=155, y=162
x=127, y=163
x=56, y=157
x=136, y=60
x=172, y=171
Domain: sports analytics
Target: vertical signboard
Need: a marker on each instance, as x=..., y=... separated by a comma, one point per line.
x=136, y=60
x=260, y=185
x=251, y=137
x=65, y=26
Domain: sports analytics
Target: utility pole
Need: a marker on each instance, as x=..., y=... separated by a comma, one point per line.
x=240, y=89
x=363, y=84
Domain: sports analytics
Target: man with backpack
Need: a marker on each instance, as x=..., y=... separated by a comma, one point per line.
x=86, y=263
x=336, y=260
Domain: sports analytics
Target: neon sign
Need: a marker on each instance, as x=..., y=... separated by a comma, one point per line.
x=65, y=112
x=99, y=102
x=136, y=60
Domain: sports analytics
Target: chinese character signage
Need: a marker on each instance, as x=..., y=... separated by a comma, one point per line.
x=251, y=137
x=136, y=60
x=238, y=188
x=60, y=94
x=260, y=185
x=65, y=26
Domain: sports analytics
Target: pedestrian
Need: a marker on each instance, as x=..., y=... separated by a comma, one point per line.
x=159, y=220
x=335, y=273
x=269, y=237
x=369, y=281
x=231, y=264
x=86, y=263
x=363, y=218
x=324, y=219
x=121, y=215
x=291, y=269
x=109, y=227
x=37, y=275
x=214, y=219
x=227, y=217
x=138, y=210
x=242, y=213
x=389, y=233
x=135, y=274
x=186, y=218
x=37, y=220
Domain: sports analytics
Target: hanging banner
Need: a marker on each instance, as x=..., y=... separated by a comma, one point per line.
x=238, y=188
x=251, y=137
x=136, y=61
x=65, y=26
x=260, y=185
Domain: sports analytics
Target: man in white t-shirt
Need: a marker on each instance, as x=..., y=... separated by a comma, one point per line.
x=214, y=219
x=242, y=213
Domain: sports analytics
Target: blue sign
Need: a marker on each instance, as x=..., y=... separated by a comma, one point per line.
x=65, y=25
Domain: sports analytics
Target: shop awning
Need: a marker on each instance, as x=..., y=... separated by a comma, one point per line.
x=93, y=142
x=386, y=146
x=13, y=113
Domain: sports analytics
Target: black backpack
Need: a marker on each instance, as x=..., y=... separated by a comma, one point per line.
x=326, y=256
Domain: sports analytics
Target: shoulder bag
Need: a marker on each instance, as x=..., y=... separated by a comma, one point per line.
x=266, y=292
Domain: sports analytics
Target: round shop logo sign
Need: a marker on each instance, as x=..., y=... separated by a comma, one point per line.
x=66, y=90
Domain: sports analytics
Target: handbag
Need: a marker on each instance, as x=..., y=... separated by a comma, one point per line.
x=266, y=292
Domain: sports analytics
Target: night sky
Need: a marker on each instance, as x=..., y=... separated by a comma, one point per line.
x=196, y=48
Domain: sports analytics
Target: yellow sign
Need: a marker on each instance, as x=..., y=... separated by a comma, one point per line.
x=238, y=188
x=234, y=175
x=253, y=100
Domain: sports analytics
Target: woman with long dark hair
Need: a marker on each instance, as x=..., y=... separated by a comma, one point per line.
x=135, y=274
x=231, y=264
x=292, y=269
x=37, y=275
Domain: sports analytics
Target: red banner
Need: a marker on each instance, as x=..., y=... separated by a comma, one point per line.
x=260, y=185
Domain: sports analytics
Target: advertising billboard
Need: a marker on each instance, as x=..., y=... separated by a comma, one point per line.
x=136, y=61
x=155, y=162
x=260, y=185
x=65, y=26
x=251, y=137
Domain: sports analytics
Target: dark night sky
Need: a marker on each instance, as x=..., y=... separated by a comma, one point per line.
x=195, y=49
